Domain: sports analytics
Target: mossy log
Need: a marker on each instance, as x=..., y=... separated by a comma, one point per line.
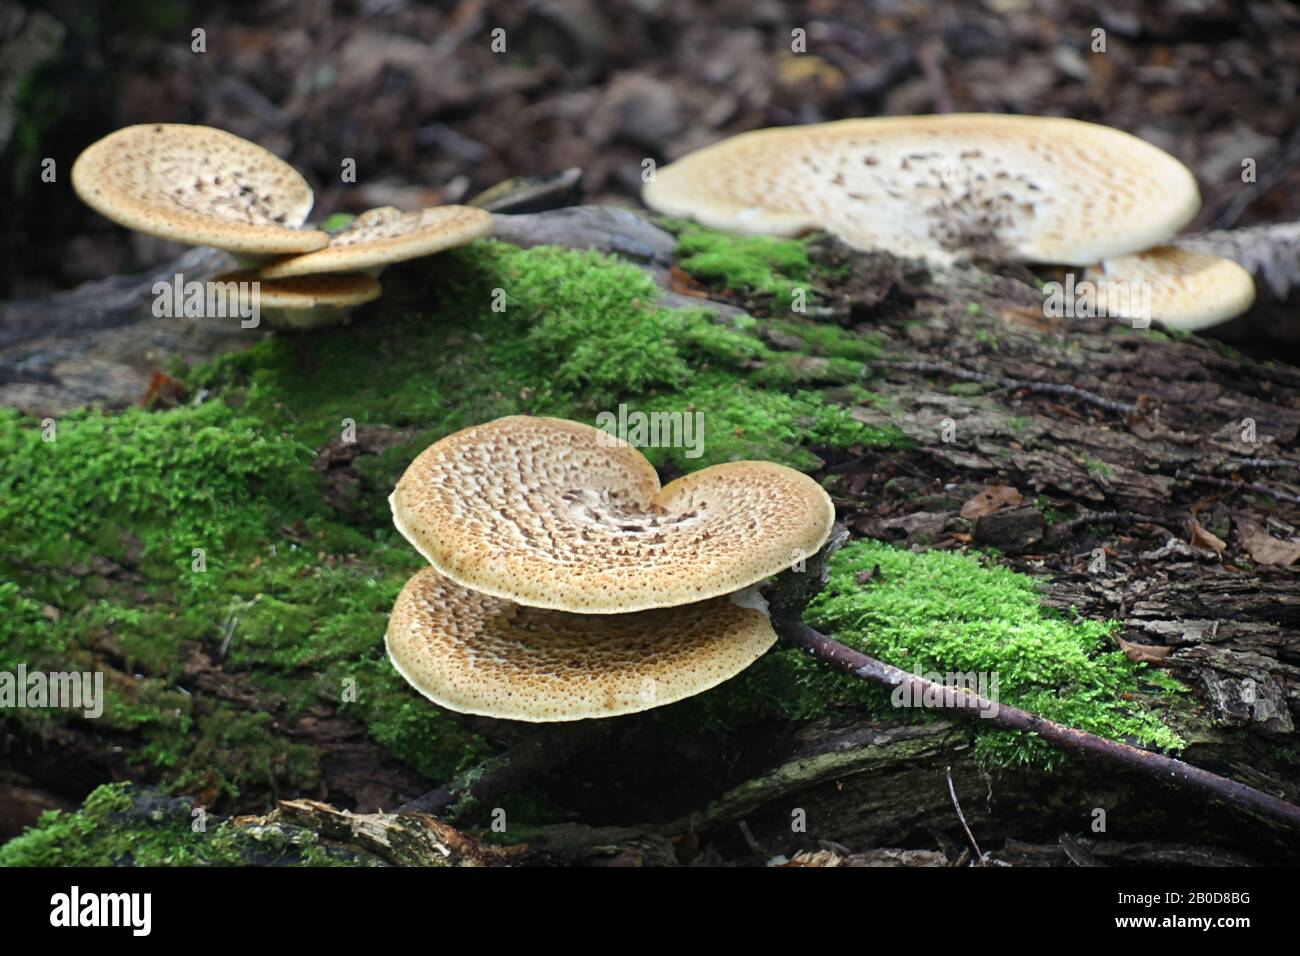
x=908, y=392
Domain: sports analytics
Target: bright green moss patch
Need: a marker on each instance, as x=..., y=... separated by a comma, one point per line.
x=163, y=545
x=947, y=613
x=118, y=825
x=758, y=265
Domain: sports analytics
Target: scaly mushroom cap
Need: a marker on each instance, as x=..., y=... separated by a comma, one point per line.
x=482, y=655
x=198, y=185
x=1188, y=289
x=544, y=512
x=385, y=235
x=1024, y=188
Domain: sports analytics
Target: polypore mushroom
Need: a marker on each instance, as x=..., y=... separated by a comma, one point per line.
x=198, y=185
x=556, y=514
x=479, y=654
x=1180, y=288
x=1025, y=188
x=382, y=236
x=304, y=302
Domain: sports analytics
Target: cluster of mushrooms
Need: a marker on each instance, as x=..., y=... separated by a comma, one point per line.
x=565, y=583
x=207, y=187
x=1015, y=188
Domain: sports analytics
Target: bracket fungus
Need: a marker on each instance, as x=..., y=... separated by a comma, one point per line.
x=1025, y=188
x=567, y=584
x=304, y=302
x=478, y=654
x=557, y=514
x=198, y=185
x=1183, y=288
x=385, y=235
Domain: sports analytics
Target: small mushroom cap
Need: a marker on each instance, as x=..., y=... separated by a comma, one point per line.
x=478, y=654
x=1026, y=188
x=552, y=513
x=308, y=292
x=198, y=185
x=1188, y=289
x=385, y=235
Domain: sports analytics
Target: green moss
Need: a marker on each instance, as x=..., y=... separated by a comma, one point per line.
x=758, y=265
x=1096, y=466
x=947, y=613
x=337, y=222
x=202, y=531
x=118, y=825
x=822, y=338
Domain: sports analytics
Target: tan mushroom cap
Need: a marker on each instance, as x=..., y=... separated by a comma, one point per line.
x=1187, y=289
x=479, y=654
x=198, y=185
x=308, y=292
x=385, y=235
x=551, y=513
x=1026, y=188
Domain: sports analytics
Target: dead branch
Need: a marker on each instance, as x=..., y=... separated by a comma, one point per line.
x=1038, y=388
x=1251, y=486
x=968, y=704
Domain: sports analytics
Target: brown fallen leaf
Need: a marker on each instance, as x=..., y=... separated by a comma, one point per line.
x=164, y=392
x=990, y=499
x=1206, y=539
x=1144, y=653
x=1262, y=547
x=684, y=284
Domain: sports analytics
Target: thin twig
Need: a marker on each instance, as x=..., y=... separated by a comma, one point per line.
x=1238, y=486
x=1111, y=405
x=952, y=792
x=968, y=704
x=1230, y=214
x=1261, y=463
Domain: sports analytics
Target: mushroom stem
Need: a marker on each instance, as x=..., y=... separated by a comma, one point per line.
x=548, y=749
x=969, y=704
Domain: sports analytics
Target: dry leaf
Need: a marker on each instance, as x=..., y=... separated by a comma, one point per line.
x=1206, y=539
x=1144, y=653
x=990, y=499
x=684, y=284
x=1263, y=548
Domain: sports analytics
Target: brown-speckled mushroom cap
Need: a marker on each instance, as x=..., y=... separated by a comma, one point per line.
x=1183, y=288
x=545, y=512
x=1025, y=188
x=479, y=654
x=386, y=235
x=198, y=185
